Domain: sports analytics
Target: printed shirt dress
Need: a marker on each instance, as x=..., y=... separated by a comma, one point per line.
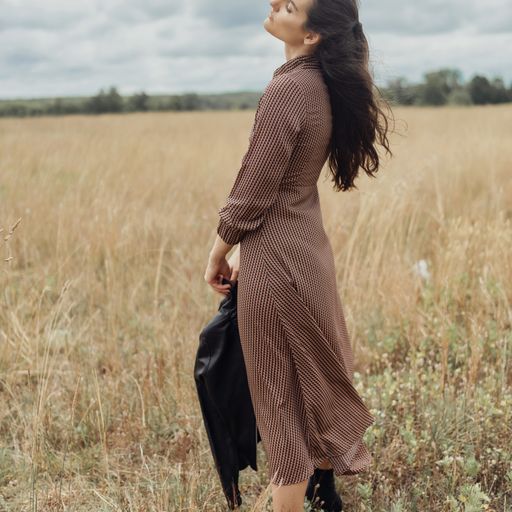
x=292, y=328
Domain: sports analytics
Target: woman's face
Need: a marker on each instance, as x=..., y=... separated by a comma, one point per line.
x=286, y=20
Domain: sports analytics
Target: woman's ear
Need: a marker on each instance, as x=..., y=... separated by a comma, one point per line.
x=312, y=38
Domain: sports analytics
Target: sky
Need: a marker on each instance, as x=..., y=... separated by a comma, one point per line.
x=52, y=48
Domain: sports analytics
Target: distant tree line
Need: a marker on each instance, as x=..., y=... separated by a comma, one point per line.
x=445, y=87
x=110, y=101
x=442, y=87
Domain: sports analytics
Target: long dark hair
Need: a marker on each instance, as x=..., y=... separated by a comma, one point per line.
x=358, y=120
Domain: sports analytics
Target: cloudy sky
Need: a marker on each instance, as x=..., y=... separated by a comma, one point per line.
x=54, y=48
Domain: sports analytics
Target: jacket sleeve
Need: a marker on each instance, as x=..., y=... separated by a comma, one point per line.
x=278, y=120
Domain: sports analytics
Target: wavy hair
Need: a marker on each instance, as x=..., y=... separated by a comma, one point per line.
x=359, y=123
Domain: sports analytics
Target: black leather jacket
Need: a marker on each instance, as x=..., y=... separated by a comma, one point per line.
x=224, y=397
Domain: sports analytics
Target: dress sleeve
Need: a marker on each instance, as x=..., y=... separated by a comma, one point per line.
x=278, y=120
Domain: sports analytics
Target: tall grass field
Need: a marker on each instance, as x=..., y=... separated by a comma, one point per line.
x=107, y=222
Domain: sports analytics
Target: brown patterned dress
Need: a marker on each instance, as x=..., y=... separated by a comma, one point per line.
x=292, y=329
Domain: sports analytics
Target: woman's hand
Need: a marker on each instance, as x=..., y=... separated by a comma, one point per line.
x=234, y=264
x=215, y=272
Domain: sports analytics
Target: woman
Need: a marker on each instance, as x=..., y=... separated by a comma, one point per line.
x=320, y=104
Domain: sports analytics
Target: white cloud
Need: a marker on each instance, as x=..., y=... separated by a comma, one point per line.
x=63, y=48
x=459, y=49
x=436, y=16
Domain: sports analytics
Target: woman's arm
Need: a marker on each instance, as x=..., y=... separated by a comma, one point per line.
x=220, y=249
x=278, y=121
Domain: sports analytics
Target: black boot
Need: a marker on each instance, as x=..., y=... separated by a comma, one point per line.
x=321, y=491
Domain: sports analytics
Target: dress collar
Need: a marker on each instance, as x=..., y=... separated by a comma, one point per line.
x=306, y=61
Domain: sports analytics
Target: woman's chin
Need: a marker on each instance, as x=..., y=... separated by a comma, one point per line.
x=267, y=25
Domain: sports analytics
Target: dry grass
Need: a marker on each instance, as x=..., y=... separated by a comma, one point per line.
x=103, y=300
